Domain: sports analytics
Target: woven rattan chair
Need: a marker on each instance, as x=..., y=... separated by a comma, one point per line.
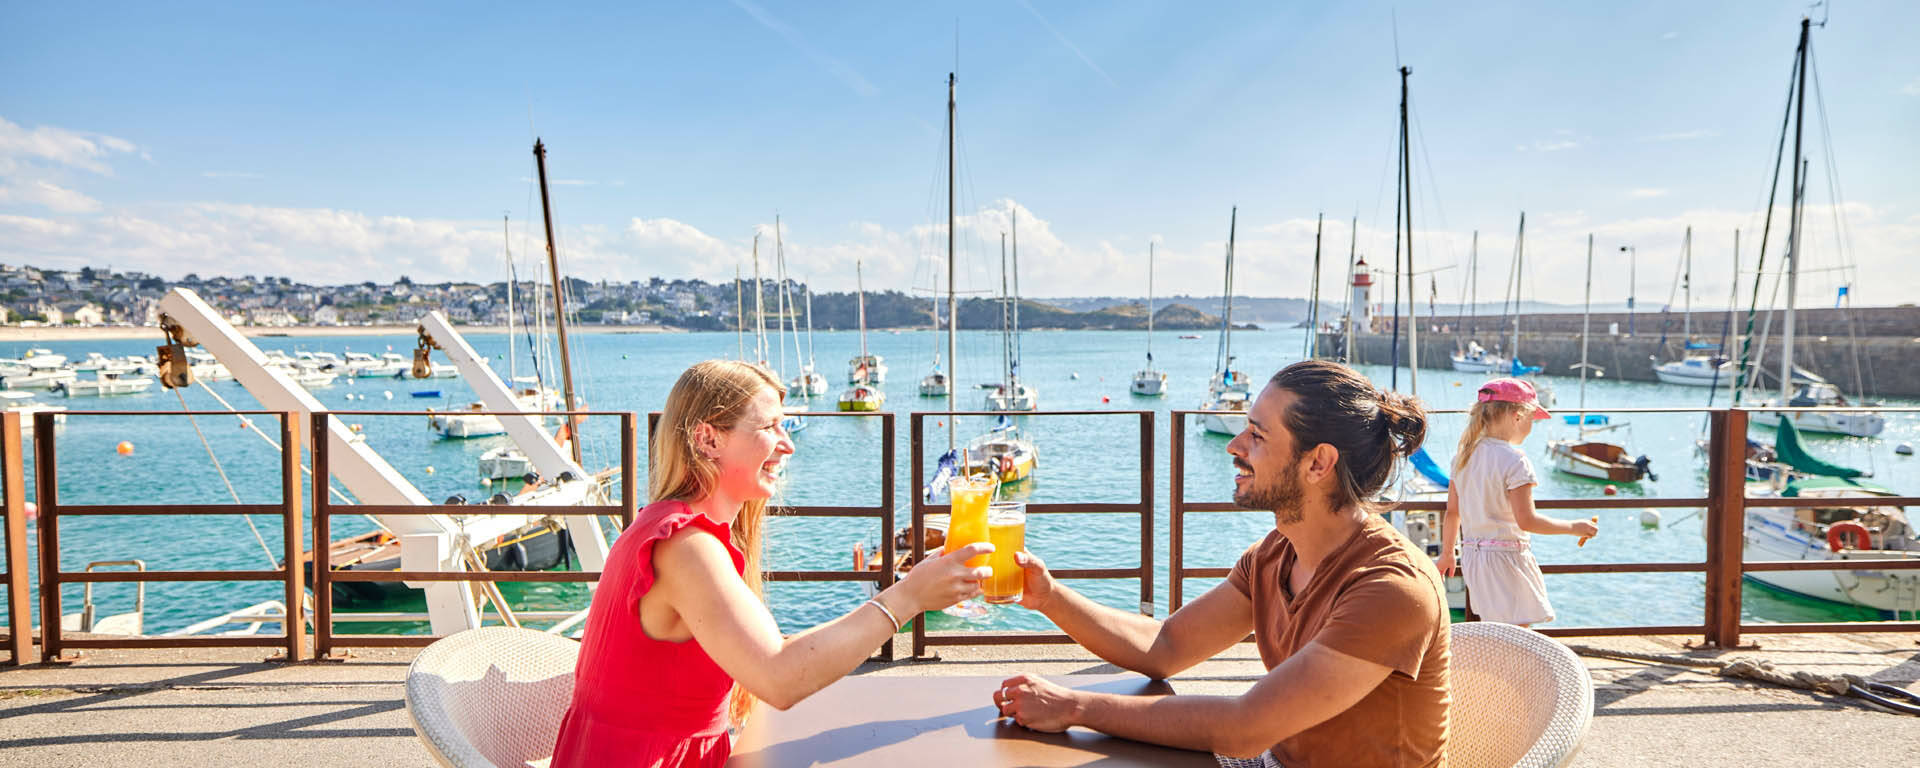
x=491, y=697
x=1519, y=698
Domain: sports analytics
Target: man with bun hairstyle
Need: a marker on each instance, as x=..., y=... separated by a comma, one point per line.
x=1349, y=617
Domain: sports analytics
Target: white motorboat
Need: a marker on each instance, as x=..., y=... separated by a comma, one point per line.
x=867, y=369
x=504, y=462
x=24, y=404
x=38, y=378
x=361, y=365
x=314, y=379
x=402, y=367
x=1148, y=382
x=1476, y=359
x=93, y=362
x=1225, y=413
x=1815, y=532
x=1824, y=395
x=41, y=357
x=104, y=382
x=1697, y=371
x=458, y=426
x=935, y=384
x=810, y=383
x=1020, y=397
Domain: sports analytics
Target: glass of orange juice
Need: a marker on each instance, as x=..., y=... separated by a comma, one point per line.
x=968, y=522
x=1007, y=529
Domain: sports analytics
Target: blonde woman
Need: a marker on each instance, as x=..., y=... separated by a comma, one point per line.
x=678, y=640
x=1491, y=500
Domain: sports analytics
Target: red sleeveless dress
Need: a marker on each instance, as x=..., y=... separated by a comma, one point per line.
x=638, y=701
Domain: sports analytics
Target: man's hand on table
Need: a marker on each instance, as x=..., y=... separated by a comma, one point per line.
x=1039, y=704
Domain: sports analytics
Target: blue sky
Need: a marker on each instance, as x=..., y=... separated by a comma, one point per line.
x=338, y=142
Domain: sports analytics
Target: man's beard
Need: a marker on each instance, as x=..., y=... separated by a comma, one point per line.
x=1285, y=497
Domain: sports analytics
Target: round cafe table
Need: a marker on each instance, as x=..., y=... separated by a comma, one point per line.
x=909, y=721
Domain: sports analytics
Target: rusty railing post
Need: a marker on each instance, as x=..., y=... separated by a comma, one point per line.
x=629, y=467
x=47, y=489
x=13, y=483
x=1725, y=525
x=916, y=423
x=1176, y=503
x=887, y=575
x=1146, y=513
x=322, y=539
x=295, y=624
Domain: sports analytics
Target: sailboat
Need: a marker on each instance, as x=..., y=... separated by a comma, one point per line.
x=1584, y=456
x=1148, y=381
x=1224, y=411
x=1813, y=394
x=811, y=382
x=865, y=371
x=1011, y=395
x=1515, y=367
x=793, y=421
x=936, y=383
x=1695, y=368
x=1471, y=357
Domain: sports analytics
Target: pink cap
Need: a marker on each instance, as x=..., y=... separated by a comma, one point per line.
x=1513, y=391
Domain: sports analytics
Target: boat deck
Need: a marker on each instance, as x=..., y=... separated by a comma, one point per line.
x=204, y=706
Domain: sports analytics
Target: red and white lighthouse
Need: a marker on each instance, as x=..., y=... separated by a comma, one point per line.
x=1362, y=299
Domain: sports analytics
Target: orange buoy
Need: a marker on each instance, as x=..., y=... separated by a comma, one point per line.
x=1105, y=399
x=125, y=448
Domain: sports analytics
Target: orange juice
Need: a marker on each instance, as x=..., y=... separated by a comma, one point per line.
x=968, y=523
x=1007, y=529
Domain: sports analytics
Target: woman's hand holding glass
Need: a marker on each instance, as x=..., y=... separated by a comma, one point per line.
x=945, y=580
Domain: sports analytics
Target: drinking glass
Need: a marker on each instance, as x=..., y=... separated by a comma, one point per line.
x=968, y=521
x=1007, y=529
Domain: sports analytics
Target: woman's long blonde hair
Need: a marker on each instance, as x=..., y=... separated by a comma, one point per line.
x=1478, y=419
x=715, y=393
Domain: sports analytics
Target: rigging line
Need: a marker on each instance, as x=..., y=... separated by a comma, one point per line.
x=248, y=423
x=264, y=549
x=1760, y=266
x=1433, y=185
x=1842, y=234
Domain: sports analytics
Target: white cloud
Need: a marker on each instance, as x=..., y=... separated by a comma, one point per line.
x=1548, y=145
x=1911, y=89
x=50, y=145
x=48, y=195
x=1645, y=192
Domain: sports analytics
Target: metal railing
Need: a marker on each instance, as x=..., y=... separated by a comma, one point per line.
x=47, y=486
x=324, y=508
x=1725, y=508
x=13, y=484
x=882, y=578
x=922, y=639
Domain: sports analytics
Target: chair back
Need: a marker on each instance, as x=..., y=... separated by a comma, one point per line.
x=1519, y=698
x=491, y=697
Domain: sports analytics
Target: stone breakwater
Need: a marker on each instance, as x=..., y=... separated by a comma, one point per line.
x=1888, y=353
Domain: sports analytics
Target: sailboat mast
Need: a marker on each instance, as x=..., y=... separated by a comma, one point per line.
x=739, y=314
x=1006, y=323
x=1226, y=317
x=1353, y=250
x=780, y=293
x=953, y=302
x=1586, y=328
x=1733, y=305
x=1686, y=287
x=1149, y=305
x=559, y=302
x=1519, y=266
x=860, y=289
x=513, y=360
x=1313, y=298
x=759, y=314
x=1473, y=286
x=1793, y=221
x=1413, y=315
x=1013, y=300
x=807, y=292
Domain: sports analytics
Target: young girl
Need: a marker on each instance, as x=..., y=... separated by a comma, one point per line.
x=678, y=641
x=1491, y=496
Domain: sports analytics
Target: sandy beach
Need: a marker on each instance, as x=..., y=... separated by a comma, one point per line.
x=13, y=333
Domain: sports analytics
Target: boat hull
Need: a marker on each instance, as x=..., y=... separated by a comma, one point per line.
x=1224, y=422
x=1851, y=424
x=1769, y=537
x=1149, y=384
x=540, y=549
x=1482, y=365
x=1594, y=461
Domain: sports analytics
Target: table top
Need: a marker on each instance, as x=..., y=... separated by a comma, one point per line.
x=910, y=721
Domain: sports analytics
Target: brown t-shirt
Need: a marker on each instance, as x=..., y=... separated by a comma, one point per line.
x=1374, y=598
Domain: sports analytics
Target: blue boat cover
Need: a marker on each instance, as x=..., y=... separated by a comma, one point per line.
x=1428, y=468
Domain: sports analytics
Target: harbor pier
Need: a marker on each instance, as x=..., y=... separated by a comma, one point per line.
x=1888, y=339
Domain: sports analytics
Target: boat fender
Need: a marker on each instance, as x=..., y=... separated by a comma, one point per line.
x=515, y=556
x=1006, y=464
x=1840, y=531
x=499, y=499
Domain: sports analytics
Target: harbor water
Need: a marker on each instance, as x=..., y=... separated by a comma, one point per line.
x=1082, y=459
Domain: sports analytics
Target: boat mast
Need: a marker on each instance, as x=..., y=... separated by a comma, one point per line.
x=1519, y=259
x=860, y=288
x=1149, y=305
x=1413, y=315
x=953, y=303
x=1733, y=304
x=759, y=313
x=1473, y=286
x=1313, y=300
x=1226, y=315
x=559, y=301
x=1013, y=300
x=739, y=314
x=807, y=292
x=1586, y=330
x=780, y=292
x=1793, y=220
x=1006, y=324
x=1686, y=288
x=1353, y=245
x=513, y=361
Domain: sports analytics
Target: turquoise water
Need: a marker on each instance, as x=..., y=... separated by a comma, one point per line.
x=1082, y=459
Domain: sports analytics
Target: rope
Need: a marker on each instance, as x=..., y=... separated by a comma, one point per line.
x=248, y=423
x=223, y=478
x=1763, y=671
